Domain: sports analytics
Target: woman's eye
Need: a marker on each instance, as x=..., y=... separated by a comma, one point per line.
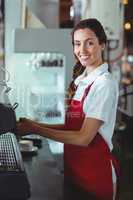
x=76, y=44
x=89, y=43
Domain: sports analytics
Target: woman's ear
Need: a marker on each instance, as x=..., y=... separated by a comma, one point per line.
x=103, y=46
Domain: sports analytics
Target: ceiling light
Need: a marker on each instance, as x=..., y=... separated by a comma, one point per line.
x=127, y=26
x=125, y=2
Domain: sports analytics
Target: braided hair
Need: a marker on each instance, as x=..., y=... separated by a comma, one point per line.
x=78, y=69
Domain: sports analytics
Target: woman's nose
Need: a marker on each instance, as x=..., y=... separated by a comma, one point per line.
x=83, y=48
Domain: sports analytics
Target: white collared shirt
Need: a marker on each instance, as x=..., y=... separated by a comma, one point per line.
x=101, y=101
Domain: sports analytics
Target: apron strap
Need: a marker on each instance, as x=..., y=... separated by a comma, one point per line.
x=86, y=92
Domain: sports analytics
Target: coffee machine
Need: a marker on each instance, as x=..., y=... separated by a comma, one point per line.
x=7, y=111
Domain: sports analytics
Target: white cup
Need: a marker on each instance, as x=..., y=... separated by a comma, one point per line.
x=26, y=145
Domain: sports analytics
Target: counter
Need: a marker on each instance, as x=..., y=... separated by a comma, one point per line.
x=44, y=174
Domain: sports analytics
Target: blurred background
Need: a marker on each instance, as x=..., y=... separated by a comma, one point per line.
x=36, y=62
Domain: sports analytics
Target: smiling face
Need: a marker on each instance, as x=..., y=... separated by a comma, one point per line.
x=87, y=48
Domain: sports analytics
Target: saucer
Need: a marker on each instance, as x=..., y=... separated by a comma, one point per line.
x=33, y=149
x=37, y=140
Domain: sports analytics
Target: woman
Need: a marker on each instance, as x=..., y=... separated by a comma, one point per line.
x=90, y=169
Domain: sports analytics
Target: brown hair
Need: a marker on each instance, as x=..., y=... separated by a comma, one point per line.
x=94, y=25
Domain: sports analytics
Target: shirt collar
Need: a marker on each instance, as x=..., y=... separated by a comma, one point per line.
x=92, y=75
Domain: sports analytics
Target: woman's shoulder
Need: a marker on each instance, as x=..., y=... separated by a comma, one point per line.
x=106, y=80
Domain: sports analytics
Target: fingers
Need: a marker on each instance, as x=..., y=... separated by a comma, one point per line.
x=21, y=129
x=21, y=119
x=25, y=125
x=19, y=125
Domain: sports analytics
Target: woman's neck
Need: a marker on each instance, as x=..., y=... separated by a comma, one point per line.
x=92, y=67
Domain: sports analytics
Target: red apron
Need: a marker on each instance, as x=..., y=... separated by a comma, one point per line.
x=88, y=167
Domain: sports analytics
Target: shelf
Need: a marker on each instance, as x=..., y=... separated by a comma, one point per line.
x=42, y=90
x=55, y=120
x=126, y=112
x=49, y=69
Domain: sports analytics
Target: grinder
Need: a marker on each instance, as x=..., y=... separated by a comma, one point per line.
x=7, y=118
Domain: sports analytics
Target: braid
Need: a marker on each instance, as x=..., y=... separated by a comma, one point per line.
x=77, y=70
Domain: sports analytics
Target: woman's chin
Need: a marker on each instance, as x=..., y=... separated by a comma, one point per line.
x=84, y=64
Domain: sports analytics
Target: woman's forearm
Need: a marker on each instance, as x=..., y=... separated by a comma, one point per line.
x=53, y=126
x=82, y=137
x=67, y=137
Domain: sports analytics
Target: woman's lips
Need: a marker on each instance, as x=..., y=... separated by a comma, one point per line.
x=84, y=58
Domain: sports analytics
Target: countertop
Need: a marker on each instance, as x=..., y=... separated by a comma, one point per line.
x=44, y=174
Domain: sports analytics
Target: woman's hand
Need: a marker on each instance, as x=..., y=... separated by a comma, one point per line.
x=26, y=126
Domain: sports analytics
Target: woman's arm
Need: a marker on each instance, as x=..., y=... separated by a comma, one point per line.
x=82, y=137
x=53, y=126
